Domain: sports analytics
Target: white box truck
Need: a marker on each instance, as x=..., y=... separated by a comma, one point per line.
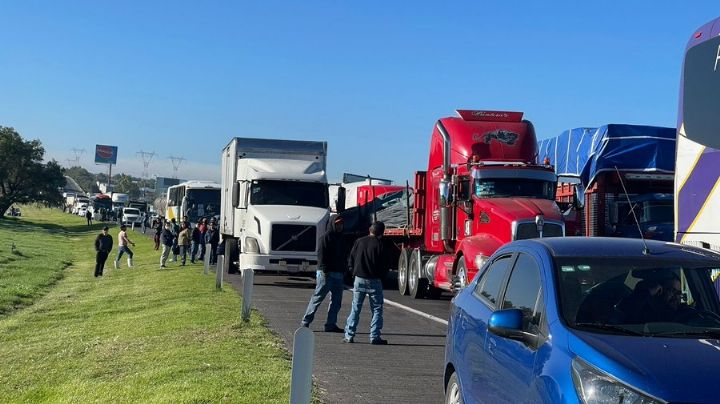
x=274, y=204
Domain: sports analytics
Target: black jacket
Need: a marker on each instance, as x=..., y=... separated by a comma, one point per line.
x=369, y=258
x=103, y=243
x=332, y=252
x=167, y=237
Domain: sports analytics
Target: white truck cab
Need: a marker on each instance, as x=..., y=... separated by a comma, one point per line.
x=274, y=204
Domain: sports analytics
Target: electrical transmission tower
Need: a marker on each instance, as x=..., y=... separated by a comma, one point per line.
x=78, y=153
x=176, y=161
x=146, y=157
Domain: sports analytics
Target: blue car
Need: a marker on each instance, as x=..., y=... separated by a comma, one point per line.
x=590, y=320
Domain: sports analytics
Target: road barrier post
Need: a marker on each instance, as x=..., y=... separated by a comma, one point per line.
x=207, y=258
x=247, y=279
x=219, y=272
x=302, y=364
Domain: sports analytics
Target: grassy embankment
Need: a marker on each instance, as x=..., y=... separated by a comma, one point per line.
x=140, y=334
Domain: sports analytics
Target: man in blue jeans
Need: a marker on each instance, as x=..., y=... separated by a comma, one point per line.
x=332, y=259
x=369, y=261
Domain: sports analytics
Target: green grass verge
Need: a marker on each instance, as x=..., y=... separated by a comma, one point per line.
x=134, y=335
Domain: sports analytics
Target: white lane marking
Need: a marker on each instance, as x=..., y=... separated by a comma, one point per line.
x=418, y=312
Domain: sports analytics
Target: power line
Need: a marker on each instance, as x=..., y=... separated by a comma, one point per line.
x=78, y=153
x=176, y=161
x=146, y=157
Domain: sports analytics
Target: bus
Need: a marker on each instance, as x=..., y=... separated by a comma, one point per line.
x=697, y=158
x=196, y=199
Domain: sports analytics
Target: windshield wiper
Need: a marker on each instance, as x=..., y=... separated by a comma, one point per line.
x=714, y=333
x=610, y=327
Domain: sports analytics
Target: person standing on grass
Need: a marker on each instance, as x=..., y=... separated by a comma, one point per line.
x=332, y=260
x=184, y=242
x=195, y=238
x=123, y=242
x=103, y=246
x=168, y=239
x=176, y=231
x=202, y=226
x=158, y=231
x=88, y=216
x=212, y=237
x=369, y=262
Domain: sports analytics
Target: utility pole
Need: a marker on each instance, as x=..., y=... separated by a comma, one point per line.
x=146, y=157
x=176, y=161
x=78, y=153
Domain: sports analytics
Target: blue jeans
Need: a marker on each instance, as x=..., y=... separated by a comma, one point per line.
x=194, y=251
x=123, y=249
x=331, y=282
x=373, y=289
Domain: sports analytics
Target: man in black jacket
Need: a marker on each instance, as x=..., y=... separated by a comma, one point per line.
x=332, y=259
x=103, y=246
x=369, y=261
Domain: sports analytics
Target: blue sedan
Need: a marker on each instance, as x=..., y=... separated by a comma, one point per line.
x=591, y=320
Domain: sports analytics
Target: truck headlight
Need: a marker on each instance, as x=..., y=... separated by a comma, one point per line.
x=595, y=386
x=251, y=246
x=480, y=260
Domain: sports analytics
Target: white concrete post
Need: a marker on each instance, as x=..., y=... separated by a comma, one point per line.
x=207, y=258
x=302, y=364
x=219, y=272
x=247, y=278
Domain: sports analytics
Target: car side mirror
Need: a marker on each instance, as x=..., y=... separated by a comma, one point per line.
x=508, y=323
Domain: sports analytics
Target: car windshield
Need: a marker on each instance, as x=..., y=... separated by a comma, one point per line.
x=514, y=188
x=648, y=297
x=131, y=212
x=289, y=193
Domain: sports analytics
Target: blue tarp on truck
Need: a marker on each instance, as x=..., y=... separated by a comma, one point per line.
x=586, y=152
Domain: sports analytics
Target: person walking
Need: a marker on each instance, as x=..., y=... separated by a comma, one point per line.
x=167, y=239
x=184, y=242
x=88, y=216
x=332, y=261
x=176, y=231
x=123, y=242
x=212, y=237
x=103, y=246
x=369, y=261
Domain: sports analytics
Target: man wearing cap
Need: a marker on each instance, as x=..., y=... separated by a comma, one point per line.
x=332, y=260
x=369, y=261
x=103, y=246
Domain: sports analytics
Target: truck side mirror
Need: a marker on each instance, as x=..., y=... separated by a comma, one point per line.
x=444, y=190
x=340, y=203
x=464, y=188
x=235, y=194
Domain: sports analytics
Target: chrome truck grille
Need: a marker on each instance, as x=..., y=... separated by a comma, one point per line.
x=293, y=237
x=525, y=230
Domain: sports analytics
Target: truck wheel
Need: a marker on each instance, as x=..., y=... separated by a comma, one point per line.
x=232, y=255
x=403, y=271
x=416, y=284
x=460, y=280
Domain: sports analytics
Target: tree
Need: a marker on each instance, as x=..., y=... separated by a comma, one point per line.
x=127, y=185
x=24, y=178
x=84, y=178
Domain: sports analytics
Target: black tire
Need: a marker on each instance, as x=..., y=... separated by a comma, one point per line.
x=403, y=262
x=461, y=274
x=453, y=391
x=417, y=285
x=232, y=255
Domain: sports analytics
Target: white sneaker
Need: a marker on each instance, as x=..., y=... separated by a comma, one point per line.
x=115, y=263
x=130, y=264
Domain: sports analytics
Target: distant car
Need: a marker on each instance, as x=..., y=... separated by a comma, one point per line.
x=81, y=212
x=130, y=216
x=590, y=320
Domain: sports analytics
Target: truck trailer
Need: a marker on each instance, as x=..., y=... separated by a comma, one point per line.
x=611, y=176
x=274, y=204
x=483, y=188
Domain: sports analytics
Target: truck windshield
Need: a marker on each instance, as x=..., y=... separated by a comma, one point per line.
x=647, y=212
x=289, y=193
x=514, y=188
x=202, y=203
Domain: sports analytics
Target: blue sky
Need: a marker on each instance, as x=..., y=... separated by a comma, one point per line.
x=182, y=78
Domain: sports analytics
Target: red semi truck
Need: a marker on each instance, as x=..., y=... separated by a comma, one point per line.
x=483, y=188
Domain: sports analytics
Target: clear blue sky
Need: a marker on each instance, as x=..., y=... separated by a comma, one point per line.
x=182, y=77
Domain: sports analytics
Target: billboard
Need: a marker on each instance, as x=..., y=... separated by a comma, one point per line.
x=105, y=154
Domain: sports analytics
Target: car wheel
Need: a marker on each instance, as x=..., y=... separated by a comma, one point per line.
x=417, y=285
x=403, y=271
x=453, y=392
